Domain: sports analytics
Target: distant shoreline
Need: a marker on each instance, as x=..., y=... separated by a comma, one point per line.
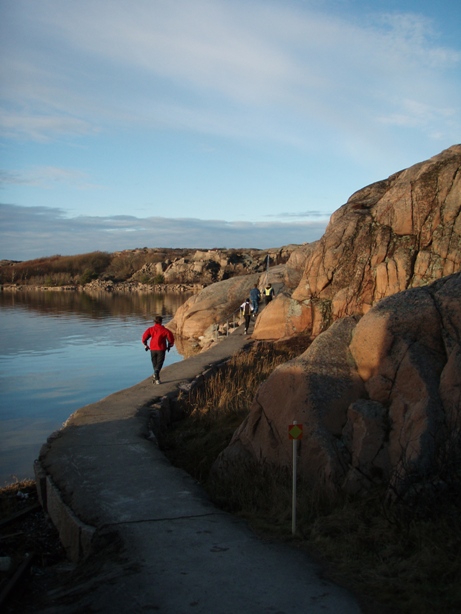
x=109, y=288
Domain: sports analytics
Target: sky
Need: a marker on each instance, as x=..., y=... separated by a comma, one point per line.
x=212, y=123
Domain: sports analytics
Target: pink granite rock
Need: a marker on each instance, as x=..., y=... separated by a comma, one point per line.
x=378, y=397
x=212, y=306
x=395, y=234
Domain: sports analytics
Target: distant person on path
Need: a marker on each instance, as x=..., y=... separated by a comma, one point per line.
x=268, y=293
x=255, y=297
x=161, y=340
x=246, y=310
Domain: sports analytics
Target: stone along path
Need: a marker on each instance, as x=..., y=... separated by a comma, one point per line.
x=144, y=535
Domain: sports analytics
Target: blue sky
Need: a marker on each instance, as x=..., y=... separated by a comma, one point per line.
x=212, y=123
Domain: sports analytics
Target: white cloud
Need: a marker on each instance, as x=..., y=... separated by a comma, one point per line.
x=258, y=69
x=33, y=232
x=302, y=214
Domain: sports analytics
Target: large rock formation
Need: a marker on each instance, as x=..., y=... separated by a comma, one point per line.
x=211, y=307
x=379, y=398
x=216, y=303
x=396, y=234
x=214, y=265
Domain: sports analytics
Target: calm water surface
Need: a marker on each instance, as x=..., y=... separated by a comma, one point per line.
x=60, y=351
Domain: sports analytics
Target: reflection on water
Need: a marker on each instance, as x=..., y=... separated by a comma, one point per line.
x=62, y=350
x=96, y=305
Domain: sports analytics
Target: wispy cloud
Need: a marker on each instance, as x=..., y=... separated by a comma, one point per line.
x=32, y=232
x=302, y=214
x=23, y=124
x=255, y=70
x=417, y=114
x=46, y=177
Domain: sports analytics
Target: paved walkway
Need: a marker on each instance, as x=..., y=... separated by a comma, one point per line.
x=146, y=535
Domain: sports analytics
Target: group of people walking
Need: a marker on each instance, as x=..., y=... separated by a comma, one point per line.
x=250, y=307
x=158, y=339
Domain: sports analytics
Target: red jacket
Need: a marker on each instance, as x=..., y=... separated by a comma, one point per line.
x=160, y=337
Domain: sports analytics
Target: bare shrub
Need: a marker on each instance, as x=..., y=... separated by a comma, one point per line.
x=56, y=270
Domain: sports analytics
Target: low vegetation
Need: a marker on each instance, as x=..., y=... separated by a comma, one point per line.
x=83, y=268
x=401, y=555
x=126, y=265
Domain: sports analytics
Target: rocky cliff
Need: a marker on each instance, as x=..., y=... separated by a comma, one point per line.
x=378, y=397
x=378, y=391
x=399, y=233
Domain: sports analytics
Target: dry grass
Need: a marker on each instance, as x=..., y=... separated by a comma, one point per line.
x=394, y=555
x=217, y=409
x=15, y=496
x=410, y=566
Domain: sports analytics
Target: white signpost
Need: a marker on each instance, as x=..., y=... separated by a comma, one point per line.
x=295, y=432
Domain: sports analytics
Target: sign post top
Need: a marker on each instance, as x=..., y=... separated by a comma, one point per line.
x=295, y=431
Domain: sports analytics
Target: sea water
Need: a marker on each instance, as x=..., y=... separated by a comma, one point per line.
x=62, y=350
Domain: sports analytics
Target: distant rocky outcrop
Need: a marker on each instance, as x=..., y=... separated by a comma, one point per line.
x=379, y=398
x=395, y=234
x=139, y=270
x=214, y=265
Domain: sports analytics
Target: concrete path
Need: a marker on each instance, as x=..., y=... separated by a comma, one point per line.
x=144, y=534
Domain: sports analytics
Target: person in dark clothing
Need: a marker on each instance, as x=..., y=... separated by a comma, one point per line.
x=246, y=310
x=161, y=340
x=268, y=293
x=255, y=297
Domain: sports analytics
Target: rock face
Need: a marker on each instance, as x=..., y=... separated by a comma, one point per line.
x=216, y=302
x=297, y=263
x=211, y=266
x=211, y=307
x=379, y=398
x=395, y=234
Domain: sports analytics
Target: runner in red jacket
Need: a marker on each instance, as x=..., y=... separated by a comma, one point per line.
x=161, y=340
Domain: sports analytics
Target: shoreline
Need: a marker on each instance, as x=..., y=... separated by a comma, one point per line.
x=109, y=287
